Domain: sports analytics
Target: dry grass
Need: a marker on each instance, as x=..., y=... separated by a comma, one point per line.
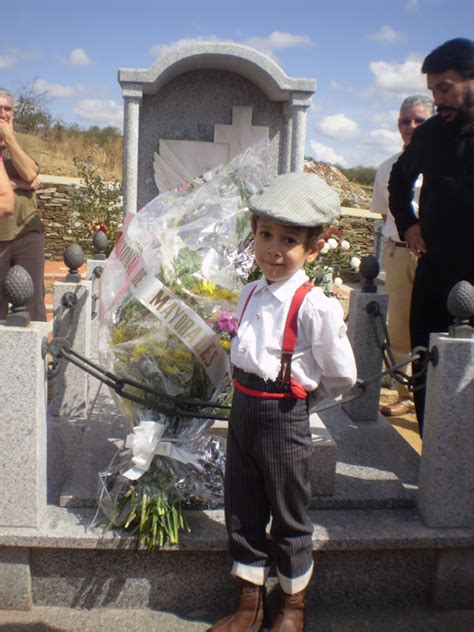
x=57, y=153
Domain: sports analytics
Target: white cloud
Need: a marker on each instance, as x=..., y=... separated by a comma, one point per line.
x=57, y=90
x=387, y=34
x=412, y=5
x=278, y=40
x=337, y=85
x=79, y=57
x=316, y=107
x=399, y=79
x=326, y=154
x=7, y=61
x=158, y=50
x=386, y=120
x=100, y=112
x=14, y=55
x=338, y=126
x=275, y=41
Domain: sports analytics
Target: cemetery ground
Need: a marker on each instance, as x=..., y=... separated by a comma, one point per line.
x=332, y=619
x=48, y=619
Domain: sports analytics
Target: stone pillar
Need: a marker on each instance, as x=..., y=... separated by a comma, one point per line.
x=363, y=331
x=132, y=96
x=23, y=425
x=70, y=384
x=286, y=132
x=446, y=489
x=15, y=580
x=298, y=105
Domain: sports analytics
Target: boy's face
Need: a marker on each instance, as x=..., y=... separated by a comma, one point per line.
x=281, y=250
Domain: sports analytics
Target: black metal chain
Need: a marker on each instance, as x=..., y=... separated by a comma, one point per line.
x=382, y=340
x=60, y=349
x=65, y=310
x=152, y=397
x=95, y=275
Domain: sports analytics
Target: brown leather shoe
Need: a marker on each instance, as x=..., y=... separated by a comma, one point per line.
x=291, y=615
x=402, y=407
x=249, y=614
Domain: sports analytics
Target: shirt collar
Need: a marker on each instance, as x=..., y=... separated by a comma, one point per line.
x=283, y=289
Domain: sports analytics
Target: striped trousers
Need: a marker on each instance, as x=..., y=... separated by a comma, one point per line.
x=268, y=476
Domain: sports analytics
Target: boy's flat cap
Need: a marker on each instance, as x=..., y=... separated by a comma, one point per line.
x=298, y=199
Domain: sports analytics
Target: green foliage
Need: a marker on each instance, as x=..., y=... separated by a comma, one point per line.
x=96, y=202
x=102, y=135
x=31, y=111
x=360, y=174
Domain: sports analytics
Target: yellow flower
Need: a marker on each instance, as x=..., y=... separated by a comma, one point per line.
x=225, y=344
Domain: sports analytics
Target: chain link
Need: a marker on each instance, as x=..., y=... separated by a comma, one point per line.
x=382, y=340
x=60, y=349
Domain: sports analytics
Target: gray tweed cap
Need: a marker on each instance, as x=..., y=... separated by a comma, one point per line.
x=298, y=199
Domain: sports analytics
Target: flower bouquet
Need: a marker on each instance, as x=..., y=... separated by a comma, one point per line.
x=335, y=258
x=167, y=311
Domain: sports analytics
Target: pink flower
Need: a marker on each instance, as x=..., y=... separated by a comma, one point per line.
x=227, y=321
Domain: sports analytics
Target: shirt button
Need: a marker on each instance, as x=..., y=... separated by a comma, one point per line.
x=257, y=315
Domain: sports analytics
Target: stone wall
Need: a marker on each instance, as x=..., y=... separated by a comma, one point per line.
x=55, y=208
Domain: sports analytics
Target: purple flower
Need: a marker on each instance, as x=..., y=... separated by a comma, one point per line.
x=227, y=321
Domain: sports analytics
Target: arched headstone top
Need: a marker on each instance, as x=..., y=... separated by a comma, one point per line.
x=237, y=58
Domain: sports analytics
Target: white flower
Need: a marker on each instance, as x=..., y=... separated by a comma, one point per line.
x=325, y=248
x=345, y=245
x=332, y=243
x=337, y=282
x=355, y=263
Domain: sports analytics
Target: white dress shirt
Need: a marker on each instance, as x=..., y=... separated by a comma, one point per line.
x=380, y=199
x=323, y=356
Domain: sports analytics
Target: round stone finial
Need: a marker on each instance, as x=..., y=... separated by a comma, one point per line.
x=100, y=242
x=73, y=257
x=18, y=286
x=369, y=269
x=461, y=300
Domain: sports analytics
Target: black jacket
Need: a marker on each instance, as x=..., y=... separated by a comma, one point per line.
x=446, y=209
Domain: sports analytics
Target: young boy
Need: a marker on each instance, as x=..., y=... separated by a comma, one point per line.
x=269, y=439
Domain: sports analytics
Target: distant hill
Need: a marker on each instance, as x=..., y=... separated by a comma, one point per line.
x=57, y=153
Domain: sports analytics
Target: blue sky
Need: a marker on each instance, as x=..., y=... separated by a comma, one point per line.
x=364, y=55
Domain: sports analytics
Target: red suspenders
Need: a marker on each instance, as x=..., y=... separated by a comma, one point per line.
x=292, y=388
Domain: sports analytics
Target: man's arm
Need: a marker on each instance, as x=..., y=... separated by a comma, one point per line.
x=25, y=166
x=401, y=193
x=7, y=197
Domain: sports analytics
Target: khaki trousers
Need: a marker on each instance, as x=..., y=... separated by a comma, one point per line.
x=400, y=265
x=28, y=252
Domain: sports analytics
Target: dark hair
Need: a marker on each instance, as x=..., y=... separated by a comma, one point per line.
x=312, y=232
x=456, y=54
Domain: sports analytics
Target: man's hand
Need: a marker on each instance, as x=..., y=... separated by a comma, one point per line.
x=415, y=241
x=6, y=132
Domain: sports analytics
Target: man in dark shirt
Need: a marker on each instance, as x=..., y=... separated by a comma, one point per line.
x=442, y=149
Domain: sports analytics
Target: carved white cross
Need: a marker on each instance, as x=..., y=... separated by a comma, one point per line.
x=241, y=133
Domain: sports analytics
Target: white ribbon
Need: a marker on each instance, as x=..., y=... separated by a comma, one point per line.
x=145, y=442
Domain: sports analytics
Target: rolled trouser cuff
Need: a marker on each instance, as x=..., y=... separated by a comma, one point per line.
x=254, y=574
x=294, y=585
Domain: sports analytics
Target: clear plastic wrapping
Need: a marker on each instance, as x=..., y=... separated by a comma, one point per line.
x=167, y=308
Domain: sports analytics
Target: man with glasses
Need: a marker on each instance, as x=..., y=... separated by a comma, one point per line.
x=443, y=236
x=399, y=261
x=22, y=232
